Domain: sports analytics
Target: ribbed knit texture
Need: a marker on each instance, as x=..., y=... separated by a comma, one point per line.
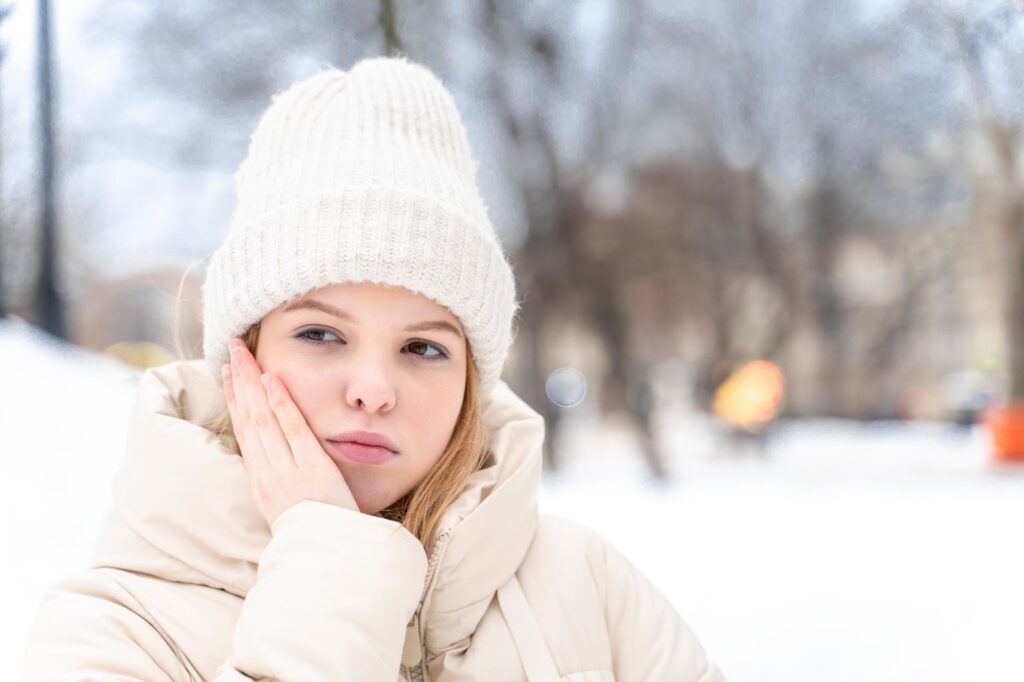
x=362, y=176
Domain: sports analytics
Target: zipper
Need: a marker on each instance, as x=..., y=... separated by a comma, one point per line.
x=414, y=653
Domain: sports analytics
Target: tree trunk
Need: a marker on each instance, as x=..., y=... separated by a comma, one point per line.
x=1015, y=298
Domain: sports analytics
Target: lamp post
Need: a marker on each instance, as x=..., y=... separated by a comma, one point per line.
x=49, y=306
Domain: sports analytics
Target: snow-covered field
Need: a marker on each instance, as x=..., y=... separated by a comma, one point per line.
x=792, y=570
x=887, y=552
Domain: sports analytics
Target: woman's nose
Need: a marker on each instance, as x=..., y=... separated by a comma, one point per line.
x=370, y=388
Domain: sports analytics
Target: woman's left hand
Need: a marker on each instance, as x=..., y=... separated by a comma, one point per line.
x=285, y=461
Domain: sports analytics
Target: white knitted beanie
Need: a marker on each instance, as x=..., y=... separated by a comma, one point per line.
x=362, y=176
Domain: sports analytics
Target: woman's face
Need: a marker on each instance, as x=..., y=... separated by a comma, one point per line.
x=369, y=357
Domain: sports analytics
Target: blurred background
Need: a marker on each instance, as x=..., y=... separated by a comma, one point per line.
x=772, y=263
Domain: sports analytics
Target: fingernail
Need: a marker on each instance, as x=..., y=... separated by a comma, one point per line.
x=265, y=378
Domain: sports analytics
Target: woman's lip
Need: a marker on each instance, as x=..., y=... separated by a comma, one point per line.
x=364, y=438
x=362, y=454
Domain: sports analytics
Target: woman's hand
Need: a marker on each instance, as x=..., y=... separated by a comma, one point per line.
x=285, y=461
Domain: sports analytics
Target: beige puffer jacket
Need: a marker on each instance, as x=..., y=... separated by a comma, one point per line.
x=189, y=583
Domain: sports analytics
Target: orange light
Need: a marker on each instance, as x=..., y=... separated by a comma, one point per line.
x=751, y=396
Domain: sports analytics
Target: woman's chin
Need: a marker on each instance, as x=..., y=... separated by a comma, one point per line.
x=371, y=502
x=366, y=488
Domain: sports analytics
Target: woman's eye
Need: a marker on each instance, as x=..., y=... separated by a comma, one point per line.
x=315, y=335
x=423, y=349
x=439, y=355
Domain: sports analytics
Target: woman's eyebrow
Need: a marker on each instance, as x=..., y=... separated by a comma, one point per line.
x=434, y=325
x=313, y=304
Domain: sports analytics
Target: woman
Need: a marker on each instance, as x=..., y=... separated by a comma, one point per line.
x=353, y=495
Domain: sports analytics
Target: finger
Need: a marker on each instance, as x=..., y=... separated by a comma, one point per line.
x=262, y=420
x=229, y=395
x=250, y=446
x=305, y=447
x=225, y=375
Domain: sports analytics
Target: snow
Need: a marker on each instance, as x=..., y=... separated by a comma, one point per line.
x=883, y=551
x=63, y=415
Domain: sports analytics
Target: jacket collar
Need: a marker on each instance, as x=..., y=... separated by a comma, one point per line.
x=182, y=509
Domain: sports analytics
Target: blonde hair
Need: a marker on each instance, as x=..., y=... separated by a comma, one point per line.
x=420, y=510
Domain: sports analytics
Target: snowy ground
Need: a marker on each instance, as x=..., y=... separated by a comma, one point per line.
x=851, y=552
x=811, y=566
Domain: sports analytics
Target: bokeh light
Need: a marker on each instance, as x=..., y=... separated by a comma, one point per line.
x=566, y=387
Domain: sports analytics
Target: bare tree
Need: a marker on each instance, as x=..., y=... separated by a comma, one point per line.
x=556, y=271
x=1003, y=136
x=219, y=64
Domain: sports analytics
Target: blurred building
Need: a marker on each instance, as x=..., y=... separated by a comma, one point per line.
x=141, y=307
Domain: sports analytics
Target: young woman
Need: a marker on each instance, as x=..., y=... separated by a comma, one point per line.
x=352, y=495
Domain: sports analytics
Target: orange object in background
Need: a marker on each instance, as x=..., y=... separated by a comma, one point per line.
x=751, y=397
x=1006, y=424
